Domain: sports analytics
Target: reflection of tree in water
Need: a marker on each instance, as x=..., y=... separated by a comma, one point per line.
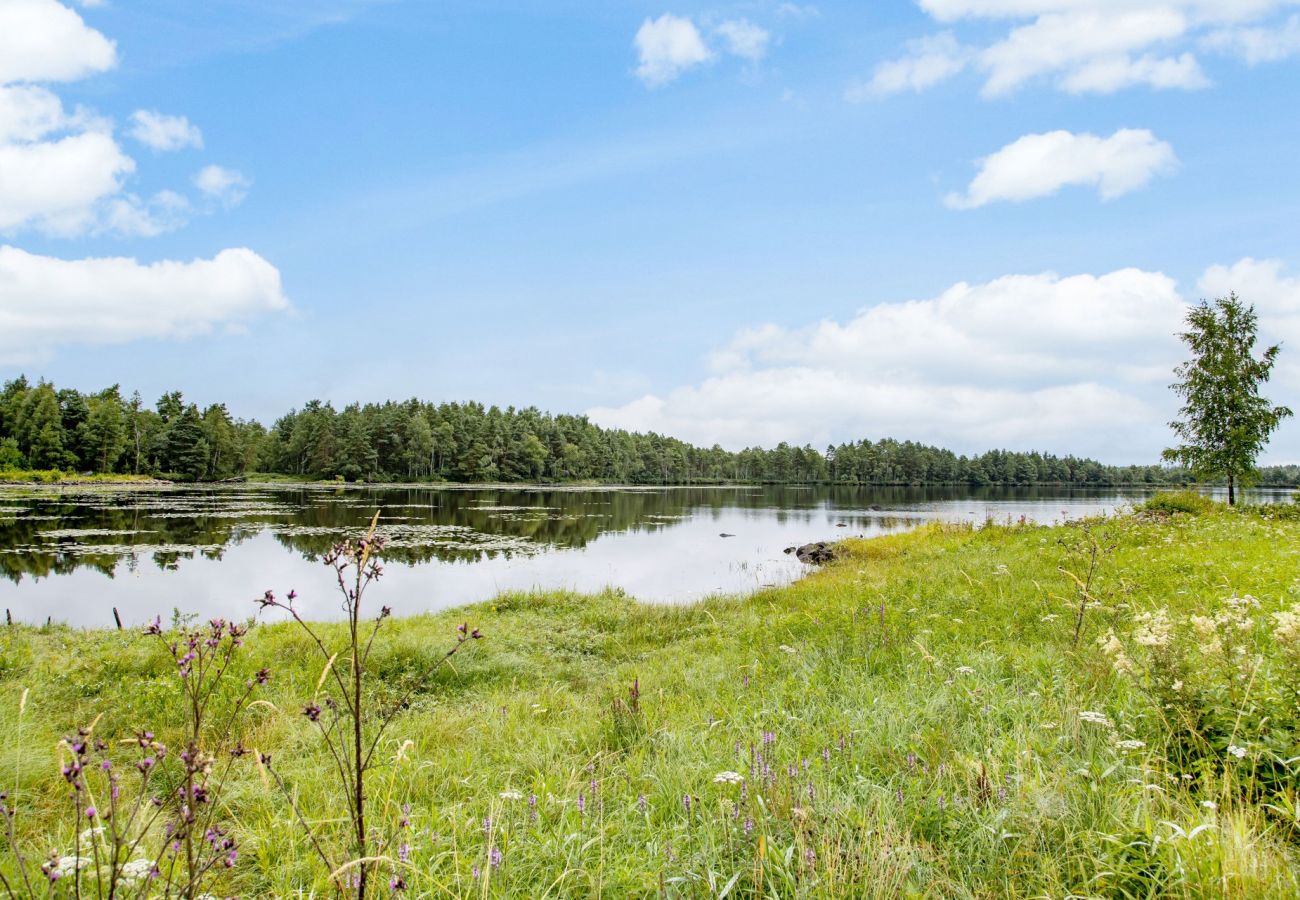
x=57, y=533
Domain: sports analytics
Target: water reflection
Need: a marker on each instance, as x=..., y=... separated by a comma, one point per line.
x=75, y=553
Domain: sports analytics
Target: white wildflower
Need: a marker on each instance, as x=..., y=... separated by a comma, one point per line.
x=1209, y=804
x=1095, y=718
x=1239, y=752
x=137, y=869
x=728, y=778
x=1178, y=685
x=1154, y=629
x=91, y=833
x=69, y=864
x=1287, y=629
x=1119, y=659
x=1130, y=744
x=1050, y=617
x=964, y=670
x=786, y=648
x=511, y=795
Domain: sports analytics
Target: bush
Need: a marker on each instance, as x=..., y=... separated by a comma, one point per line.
x=1171, y=502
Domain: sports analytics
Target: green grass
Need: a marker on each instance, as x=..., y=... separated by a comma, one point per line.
x=950, y=644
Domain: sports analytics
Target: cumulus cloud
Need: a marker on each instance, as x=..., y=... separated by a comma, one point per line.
x=1038, y=165
x=47, y=302
x=745, y=39
x=1090, y=46
x=55, y=186
x=667, y=47
x=671, y=45
x=164, y=133
x=928, y=61
x=227, y=186
x=1067, y=364
x=42, y=40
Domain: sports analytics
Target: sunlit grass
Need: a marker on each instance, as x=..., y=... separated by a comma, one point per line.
x=911, y=721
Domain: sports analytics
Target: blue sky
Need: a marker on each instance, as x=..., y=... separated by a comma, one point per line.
x=971, y=222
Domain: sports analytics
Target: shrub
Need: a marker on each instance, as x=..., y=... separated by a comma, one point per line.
x=1171, y=502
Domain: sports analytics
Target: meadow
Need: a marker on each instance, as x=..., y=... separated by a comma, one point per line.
x=1104, y=708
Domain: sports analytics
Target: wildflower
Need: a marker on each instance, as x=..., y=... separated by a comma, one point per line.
x=1287, y=629
x=728, y=778
x=582, y=804
x=511, y=795
x=686, y=802
x=749, y=826
x=396, y=883
x=641, y=803
x=1209, y=804
x=1177, y=685
x=136, y=869
x=1130, y=745
x=90, y=812
x=964, y=670
x=1119, y=660
x=1050, y=617
x=404, y=852
x=1239, y=752
x=1096, y=718
x=494, y=857
x=1154, y=629
x=786, y=648
x=311, y=711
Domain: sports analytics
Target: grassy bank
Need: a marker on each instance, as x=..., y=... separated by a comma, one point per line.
x=56, y=476
x=914, y=720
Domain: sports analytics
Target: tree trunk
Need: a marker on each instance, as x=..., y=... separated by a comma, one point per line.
x=1232, y=492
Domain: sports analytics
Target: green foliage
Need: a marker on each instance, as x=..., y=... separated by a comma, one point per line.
x=1225, y=421
x=1170, y=502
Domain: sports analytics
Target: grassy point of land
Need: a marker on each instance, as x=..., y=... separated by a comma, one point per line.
x=913, y=720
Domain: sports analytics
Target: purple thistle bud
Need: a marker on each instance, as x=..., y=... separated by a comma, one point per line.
x=90, y=812
x=312, y=712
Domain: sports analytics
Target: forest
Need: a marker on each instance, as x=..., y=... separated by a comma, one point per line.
x=44, y=427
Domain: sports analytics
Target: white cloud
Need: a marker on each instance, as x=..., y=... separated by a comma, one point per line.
x=1257, y=45
x=1093, y=46
x=797, y=11
x=1066, y=364
x=745, y=39
x=47, y=302
x=164, y=133
x=1038, y=165
x=667, y=47
x=130, y=216
x=56, y=186
x=226, y=185
x=928, y=61
x=42, y=40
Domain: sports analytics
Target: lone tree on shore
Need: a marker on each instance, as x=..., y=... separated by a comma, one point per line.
x=1224, y=422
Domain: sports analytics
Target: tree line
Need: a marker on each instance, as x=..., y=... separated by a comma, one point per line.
x=42, y=427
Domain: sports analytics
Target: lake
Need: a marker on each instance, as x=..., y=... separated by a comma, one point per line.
x=73, y=554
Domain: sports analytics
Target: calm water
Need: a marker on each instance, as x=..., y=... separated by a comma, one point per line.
x=75, y=553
